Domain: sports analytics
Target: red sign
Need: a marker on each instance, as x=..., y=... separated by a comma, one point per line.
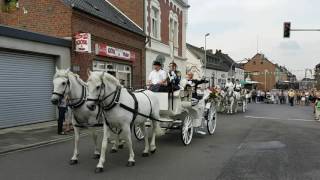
x=109, y=51
x=83, y=42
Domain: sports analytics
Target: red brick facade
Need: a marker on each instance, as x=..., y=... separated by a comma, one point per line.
x=103, y=32
x=165, y=7
x=257, y=67
x=52, y=17
x=132, y=8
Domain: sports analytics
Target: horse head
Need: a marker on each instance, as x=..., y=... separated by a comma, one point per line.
x=101, y=85
x=61, y=85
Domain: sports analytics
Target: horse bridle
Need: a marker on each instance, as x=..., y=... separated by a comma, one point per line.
x=101, y=96
x=76, y=104
x=61, y=95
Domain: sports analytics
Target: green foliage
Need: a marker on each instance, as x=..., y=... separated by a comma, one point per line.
x=9, y=6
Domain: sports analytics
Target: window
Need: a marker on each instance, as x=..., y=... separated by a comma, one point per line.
x=261, y=62
x=173, y=29
x=155, y=22
x=254, y=63
x=121, y=71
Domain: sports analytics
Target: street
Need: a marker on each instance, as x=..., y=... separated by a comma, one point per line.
x=267, y=142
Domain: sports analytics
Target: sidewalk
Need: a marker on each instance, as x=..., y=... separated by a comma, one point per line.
x=30, y=136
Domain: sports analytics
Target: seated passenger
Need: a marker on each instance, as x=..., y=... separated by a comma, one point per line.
x=229, y=84
x=237, y=87
x=157, y=80
x=194, y=83
x=174, y=77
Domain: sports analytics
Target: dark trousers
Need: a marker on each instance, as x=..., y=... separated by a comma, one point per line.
x=291, y=100
x=62, y=112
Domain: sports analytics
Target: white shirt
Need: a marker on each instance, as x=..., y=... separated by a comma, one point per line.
x=156, y=76
x=238, y=86
x=229, y=85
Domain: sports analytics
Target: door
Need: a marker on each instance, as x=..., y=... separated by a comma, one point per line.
x=25, y=88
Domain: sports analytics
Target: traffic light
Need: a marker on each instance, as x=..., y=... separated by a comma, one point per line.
x=286, y=29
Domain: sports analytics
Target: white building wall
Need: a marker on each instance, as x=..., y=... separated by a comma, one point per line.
x=216, y=76
x=239, y=74
x=194, y=65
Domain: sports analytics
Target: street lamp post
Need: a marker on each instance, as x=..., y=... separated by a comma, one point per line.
x=205, y=53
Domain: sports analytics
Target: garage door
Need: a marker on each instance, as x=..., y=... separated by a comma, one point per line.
x=25, y=88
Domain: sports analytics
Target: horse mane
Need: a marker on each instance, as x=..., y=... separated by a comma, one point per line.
x=65, y=73
x=111, y=79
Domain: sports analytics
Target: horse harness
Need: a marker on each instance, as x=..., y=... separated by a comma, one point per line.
x=115, y=101
x=77, y=104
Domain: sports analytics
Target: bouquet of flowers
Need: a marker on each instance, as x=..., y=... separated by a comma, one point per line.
x=214, y=94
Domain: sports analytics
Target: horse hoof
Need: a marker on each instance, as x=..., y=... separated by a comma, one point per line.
x=145, y=154
x=73, y=162
x=153, y=151
x=96, y=156
x=98, y=170
x=121, y=146
x=131, y=163
x=114, y=151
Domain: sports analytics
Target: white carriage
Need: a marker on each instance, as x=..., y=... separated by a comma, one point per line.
x=181, y=112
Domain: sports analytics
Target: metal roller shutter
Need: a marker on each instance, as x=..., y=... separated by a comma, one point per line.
x=25, y=88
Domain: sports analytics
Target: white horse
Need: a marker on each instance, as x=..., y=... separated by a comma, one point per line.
x=121, y=109
x=68, y=84
x=230, y=99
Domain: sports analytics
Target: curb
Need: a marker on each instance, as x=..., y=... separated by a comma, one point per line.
x=40, y=144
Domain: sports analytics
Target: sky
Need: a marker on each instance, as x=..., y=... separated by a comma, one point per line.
x=238, y=27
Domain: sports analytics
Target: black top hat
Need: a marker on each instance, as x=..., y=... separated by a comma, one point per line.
x=156, y=63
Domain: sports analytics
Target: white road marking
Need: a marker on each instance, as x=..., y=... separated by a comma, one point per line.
x=275, y=118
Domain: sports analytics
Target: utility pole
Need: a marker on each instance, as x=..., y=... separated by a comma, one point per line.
x=205, y=53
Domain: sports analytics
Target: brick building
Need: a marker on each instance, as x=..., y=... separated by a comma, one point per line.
x=261, y=70
x=117, y=42
x=165, y=25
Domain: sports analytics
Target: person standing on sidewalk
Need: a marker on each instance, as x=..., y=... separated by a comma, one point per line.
x=62, y=107
x=291, y=95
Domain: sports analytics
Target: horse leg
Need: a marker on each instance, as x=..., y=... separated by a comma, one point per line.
x=74, y=159
x=231, y=106
x=96, y=154
x=155, y=128
x=104, y=145
x=126, y=130
x=145, y=152
x=115, y=143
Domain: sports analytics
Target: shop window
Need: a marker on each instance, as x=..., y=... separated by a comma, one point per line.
x=120, y=71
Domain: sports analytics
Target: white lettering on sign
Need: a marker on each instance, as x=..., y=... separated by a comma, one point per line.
x=83, y=42
x=106, y=50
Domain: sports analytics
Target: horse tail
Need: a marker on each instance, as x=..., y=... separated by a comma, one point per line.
x=158, y=130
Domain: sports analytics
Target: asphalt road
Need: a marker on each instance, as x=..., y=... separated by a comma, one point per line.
x=267, y=142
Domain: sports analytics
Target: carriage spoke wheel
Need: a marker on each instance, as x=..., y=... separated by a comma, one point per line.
x=138, y=133
x=187, y=130
x=212, y=120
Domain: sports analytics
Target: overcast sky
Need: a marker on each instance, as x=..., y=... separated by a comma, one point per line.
x=235, y=26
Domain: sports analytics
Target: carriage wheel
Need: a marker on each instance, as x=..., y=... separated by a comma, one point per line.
x=212, y=120
x=138, y=133
x=187, y=130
